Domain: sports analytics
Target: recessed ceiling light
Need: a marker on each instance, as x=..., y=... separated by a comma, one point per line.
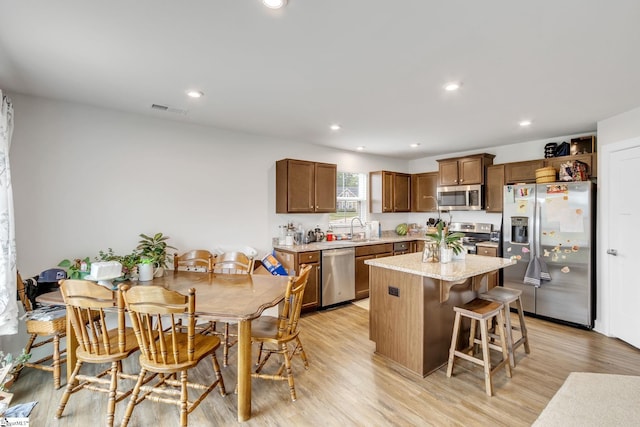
x=525, y=123
x=195, y=94
x=360, y=148
x=274, y=4
x=452, y=86
x=335, y=126
x=415, y=145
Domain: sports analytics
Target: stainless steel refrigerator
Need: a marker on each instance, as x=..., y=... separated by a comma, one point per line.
x=555, y=223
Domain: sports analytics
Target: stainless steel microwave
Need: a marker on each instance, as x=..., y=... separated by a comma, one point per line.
x=460, y=198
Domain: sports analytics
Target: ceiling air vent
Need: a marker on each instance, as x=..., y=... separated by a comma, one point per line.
x=168, y=109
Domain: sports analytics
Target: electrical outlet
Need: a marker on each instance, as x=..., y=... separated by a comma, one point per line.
x=394, y=291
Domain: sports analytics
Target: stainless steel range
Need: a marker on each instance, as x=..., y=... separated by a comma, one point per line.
x=474, y=233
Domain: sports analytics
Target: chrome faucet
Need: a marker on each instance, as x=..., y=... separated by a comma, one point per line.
x=359, y=220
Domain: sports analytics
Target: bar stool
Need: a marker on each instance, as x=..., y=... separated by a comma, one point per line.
x=506, y=296
x=480, y=310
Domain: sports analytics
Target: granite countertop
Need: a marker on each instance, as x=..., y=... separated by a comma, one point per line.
x=471, y=265
x=320, y=246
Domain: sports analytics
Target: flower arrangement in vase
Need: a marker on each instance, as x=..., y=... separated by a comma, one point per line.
x=450, y=243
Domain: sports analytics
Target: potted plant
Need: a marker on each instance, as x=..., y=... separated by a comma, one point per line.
x=155, y=248
x=76, y=269
x=448, y=241
x=129, y=262
x=10, y=367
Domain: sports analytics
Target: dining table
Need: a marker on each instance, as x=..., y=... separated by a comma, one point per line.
x=226, y=297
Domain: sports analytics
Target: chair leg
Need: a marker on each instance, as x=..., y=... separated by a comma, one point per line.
x=183, y=399
x=523, y=328
x=454, y=343
x=287, y=363
x=503, y=340
x=56, y=361
x=300, y=350
x=133, y=400
x=259, y=353
x=484, y=332
x=67, y=392
x=113, y=386
x=225, y=360
x=216, y=369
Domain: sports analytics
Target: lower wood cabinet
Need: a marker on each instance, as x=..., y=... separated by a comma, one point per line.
x=291, y=261
x=492, y=280
x=364, y=253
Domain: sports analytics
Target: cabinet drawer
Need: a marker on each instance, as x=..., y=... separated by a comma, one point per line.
x=309, y=257
x=487, y=251
x=401, y=246
x=374, y=249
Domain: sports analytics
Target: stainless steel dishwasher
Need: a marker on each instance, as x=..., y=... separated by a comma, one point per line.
x=338, y=276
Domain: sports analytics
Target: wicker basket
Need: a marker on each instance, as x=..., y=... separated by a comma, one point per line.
x=547, y=174
x=47, y=327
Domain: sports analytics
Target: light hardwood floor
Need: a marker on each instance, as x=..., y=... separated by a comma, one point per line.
x=347, y=385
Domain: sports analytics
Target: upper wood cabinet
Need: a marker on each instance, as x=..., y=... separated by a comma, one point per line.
x=423, y=187
x=516, y=172
x=390, y=192
x=305, y=187
x=464, y=170
x=590, y=159
x=494, y=188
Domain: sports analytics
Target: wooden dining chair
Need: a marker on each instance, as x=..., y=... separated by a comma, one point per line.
x=88, y=306
x=158, y=318
x=276, y=335
x=229, y=263
x=44, y=333
x=195, y=260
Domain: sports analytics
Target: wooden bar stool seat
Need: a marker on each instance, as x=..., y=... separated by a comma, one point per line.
x=507, y=296
x=480, y=310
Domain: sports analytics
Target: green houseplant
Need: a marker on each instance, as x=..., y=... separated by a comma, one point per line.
x=10, y=366
x=154, y=248
x=75, y=268
x=128, y=261
x=451, y=240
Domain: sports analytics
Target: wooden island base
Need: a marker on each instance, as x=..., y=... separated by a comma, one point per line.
x=409, y=320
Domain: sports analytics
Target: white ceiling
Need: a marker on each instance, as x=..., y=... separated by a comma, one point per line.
x=376, y=67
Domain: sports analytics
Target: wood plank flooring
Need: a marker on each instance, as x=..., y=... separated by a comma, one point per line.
x=348, y=385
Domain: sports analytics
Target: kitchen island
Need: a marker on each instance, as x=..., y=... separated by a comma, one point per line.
x=411, y=305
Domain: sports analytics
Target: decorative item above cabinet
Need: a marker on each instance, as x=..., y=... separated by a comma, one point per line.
x=464, y=170
x=390, y=192
x=305, y=187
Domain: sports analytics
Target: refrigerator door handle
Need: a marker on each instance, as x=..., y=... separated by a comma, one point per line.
x=536, y=230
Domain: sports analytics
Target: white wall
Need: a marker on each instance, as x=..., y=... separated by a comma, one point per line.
x=87, y=179
x=614, y=130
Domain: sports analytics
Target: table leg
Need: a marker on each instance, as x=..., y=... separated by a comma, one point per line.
x=72, y=345
x=244, y=370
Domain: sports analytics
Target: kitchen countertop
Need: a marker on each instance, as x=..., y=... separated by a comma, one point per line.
x=335, y=244
x=471, y=265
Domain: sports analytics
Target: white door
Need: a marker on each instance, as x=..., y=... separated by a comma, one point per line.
x=623, y=235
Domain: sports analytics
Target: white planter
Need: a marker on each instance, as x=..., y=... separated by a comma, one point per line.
x=145, y=272
x=446, y=255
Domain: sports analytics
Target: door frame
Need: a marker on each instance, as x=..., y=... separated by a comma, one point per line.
x=604, y=290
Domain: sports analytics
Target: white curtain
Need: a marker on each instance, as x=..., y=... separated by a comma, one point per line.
x=8, y=297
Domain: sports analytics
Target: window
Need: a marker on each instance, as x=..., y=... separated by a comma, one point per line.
x=351, y=198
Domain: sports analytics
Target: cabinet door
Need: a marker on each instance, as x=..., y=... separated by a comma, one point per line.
x=387, y=192
x=301, y=187
x=495, y=184
x=325, y=187
x=311, y=298
x=470, y=171
x=516, y=172
x=424, y=187
x=448, y=172
x=362, y=276
x=492, y=278
x=401, y=192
